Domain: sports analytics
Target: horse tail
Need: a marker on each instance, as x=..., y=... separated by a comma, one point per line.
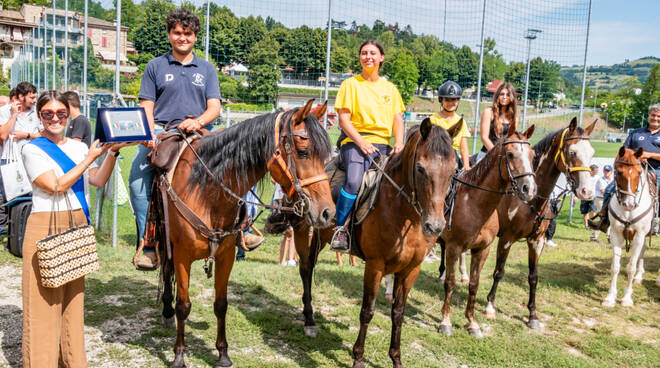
x=442, y=255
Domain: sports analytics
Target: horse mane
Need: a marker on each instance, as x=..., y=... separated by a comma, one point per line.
x=545, y=144
x=478, y=171
x=248, y=145
x=438, y=143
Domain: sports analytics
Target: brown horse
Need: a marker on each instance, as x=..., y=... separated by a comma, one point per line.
x=566, y=151
x=397, y=233
x=474, y=225
x=292, y=146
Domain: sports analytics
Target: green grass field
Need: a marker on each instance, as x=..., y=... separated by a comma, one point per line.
x=265, y=322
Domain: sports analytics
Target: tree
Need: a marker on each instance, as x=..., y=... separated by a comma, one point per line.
x=340, y=59
x=650, y=94
x=467, y=67
x=251, y=30
x=404, y=74
x=263, y=73
x=151, y=34
x=131, y=16
x=224, y=39
x=443, y=67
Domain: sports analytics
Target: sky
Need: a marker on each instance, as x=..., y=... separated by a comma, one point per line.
x=620, y=29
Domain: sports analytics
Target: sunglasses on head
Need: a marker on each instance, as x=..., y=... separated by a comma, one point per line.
x=50, y=114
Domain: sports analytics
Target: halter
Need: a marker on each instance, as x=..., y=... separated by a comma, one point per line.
x=289, y=170
x=621, y=192
x=560, y=154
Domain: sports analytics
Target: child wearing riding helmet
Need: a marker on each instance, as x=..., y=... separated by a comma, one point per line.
x=369, y=110
x=495, y=120
x=449, y=95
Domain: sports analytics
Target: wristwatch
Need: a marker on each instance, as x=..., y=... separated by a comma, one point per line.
x=201, y=123
x=28, y=136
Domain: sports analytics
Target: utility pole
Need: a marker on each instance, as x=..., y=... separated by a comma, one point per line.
x=481, y=65
x=584, y=70
x=327, y=62
x=531, y=35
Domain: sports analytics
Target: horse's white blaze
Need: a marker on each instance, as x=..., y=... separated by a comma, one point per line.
x=512, y=212
x=641, y=228
x=584, y=152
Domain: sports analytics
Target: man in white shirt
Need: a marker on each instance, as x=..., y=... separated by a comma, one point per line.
x=19, y=124
x=600, y=186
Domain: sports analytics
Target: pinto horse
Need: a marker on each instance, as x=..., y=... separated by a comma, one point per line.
x=631, y=218
x=292, y=146
x=473, y=225
x=397, y=234
x=566, y=151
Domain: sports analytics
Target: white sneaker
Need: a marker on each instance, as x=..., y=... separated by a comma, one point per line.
x=291, y=262
x=550, y=243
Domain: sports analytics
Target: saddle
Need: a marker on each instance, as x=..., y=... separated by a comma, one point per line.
x=367, y=196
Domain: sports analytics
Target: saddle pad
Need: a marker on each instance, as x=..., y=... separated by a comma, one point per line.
x=369, y=189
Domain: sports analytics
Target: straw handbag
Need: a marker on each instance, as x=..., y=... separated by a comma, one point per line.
x=68, y=255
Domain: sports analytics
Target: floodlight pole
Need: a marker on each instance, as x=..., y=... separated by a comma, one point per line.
x=206, y=41
x=84, y=76
x=327, y=63
x=66, y=45
x=54, y=72
x=478, y=97
x=584, y=69
x=531, y=35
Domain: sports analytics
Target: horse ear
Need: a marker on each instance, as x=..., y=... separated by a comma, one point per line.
x=590, y=128
x=319, y=111
x=512, y=129
x=425, y=128
x=573, y=124
x=456, y=128
x=302, y=112
x=639, y=152
x=622, y=151
x=528, y=133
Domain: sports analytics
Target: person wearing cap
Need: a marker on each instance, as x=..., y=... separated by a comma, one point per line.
x=495, y=120
x=648, y=138
x=449, y=95
x=600, y=187
x=369, y=110
x=588, y=208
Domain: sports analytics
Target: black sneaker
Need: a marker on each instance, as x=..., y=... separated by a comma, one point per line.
x=339, y=241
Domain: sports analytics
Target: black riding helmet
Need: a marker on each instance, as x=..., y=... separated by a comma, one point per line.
x=449, y=89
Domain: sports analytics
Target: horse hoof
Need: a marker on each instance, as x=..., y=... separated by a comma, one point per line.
x=627, y=303
x=534, y=324
x=169, y=322
x=311, y=331
x=223, y=362
x=476, y=333
x=446, y=330
x=607, y=303
x=637, y=281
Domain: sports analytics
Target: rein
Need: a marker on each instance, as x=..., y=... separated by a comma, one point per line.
x=411, y=199
x=512, y=179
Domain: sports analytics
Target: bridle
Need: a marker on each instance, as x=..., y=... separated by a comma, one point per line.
x=288, y=167
x=620, y=193
x=560, y=156
x=513, y=179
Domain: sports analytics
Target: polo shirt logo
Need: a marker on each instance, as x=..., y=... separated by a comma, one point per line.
x=641, y=138
x=169, y=77
x=198, y=80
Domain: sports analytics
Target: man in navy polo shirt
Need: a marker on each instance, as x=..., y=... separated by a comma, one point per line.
x=174, y=85
x=647, y=137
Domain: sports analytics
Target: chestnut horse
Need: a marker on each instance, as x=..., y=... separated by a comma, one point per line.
x=397, y=234
x=473, y=224
x=631, y=217
x=566, y=151
x=292, y=146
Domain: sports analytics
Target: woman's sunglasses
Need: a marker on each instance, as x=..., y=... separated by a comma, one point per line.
x=50, y=114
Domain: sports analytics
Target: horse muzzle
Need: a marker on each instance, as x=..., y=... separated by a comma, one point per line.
x=432, y=228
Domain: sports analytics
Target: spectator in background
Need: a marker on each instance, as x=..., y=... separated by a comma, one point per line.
x=588, y=208
x=495, y=120
x=601, y=184
x=555, y=203
x=288, y=245
x=21, y=123
x=79, y=128
x=340, y=260
x=252, y=241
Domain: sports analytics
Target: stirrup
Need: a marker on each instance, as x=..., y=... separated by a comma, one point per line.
x=340, y=246
x=137, y=255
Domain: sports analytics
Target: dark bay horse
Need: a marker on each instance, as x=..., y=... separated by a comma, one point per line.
x=474, y=225
x=292, y=146
x=396, y=235
x=566, y=151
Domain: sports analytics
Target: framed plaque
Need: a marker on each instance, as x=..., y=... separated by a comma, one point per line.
x=122, y=124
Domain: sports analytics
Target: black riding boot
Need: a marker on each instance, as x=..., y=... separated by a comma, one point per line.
x=604, y=215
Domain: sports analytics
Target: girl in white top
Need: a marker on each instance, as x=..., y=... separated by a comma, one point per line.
x=53, y=317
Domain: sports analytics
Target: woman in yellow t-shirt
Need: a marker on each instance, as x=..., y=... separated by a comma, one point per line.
x=369, y=110
x=449, y=95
